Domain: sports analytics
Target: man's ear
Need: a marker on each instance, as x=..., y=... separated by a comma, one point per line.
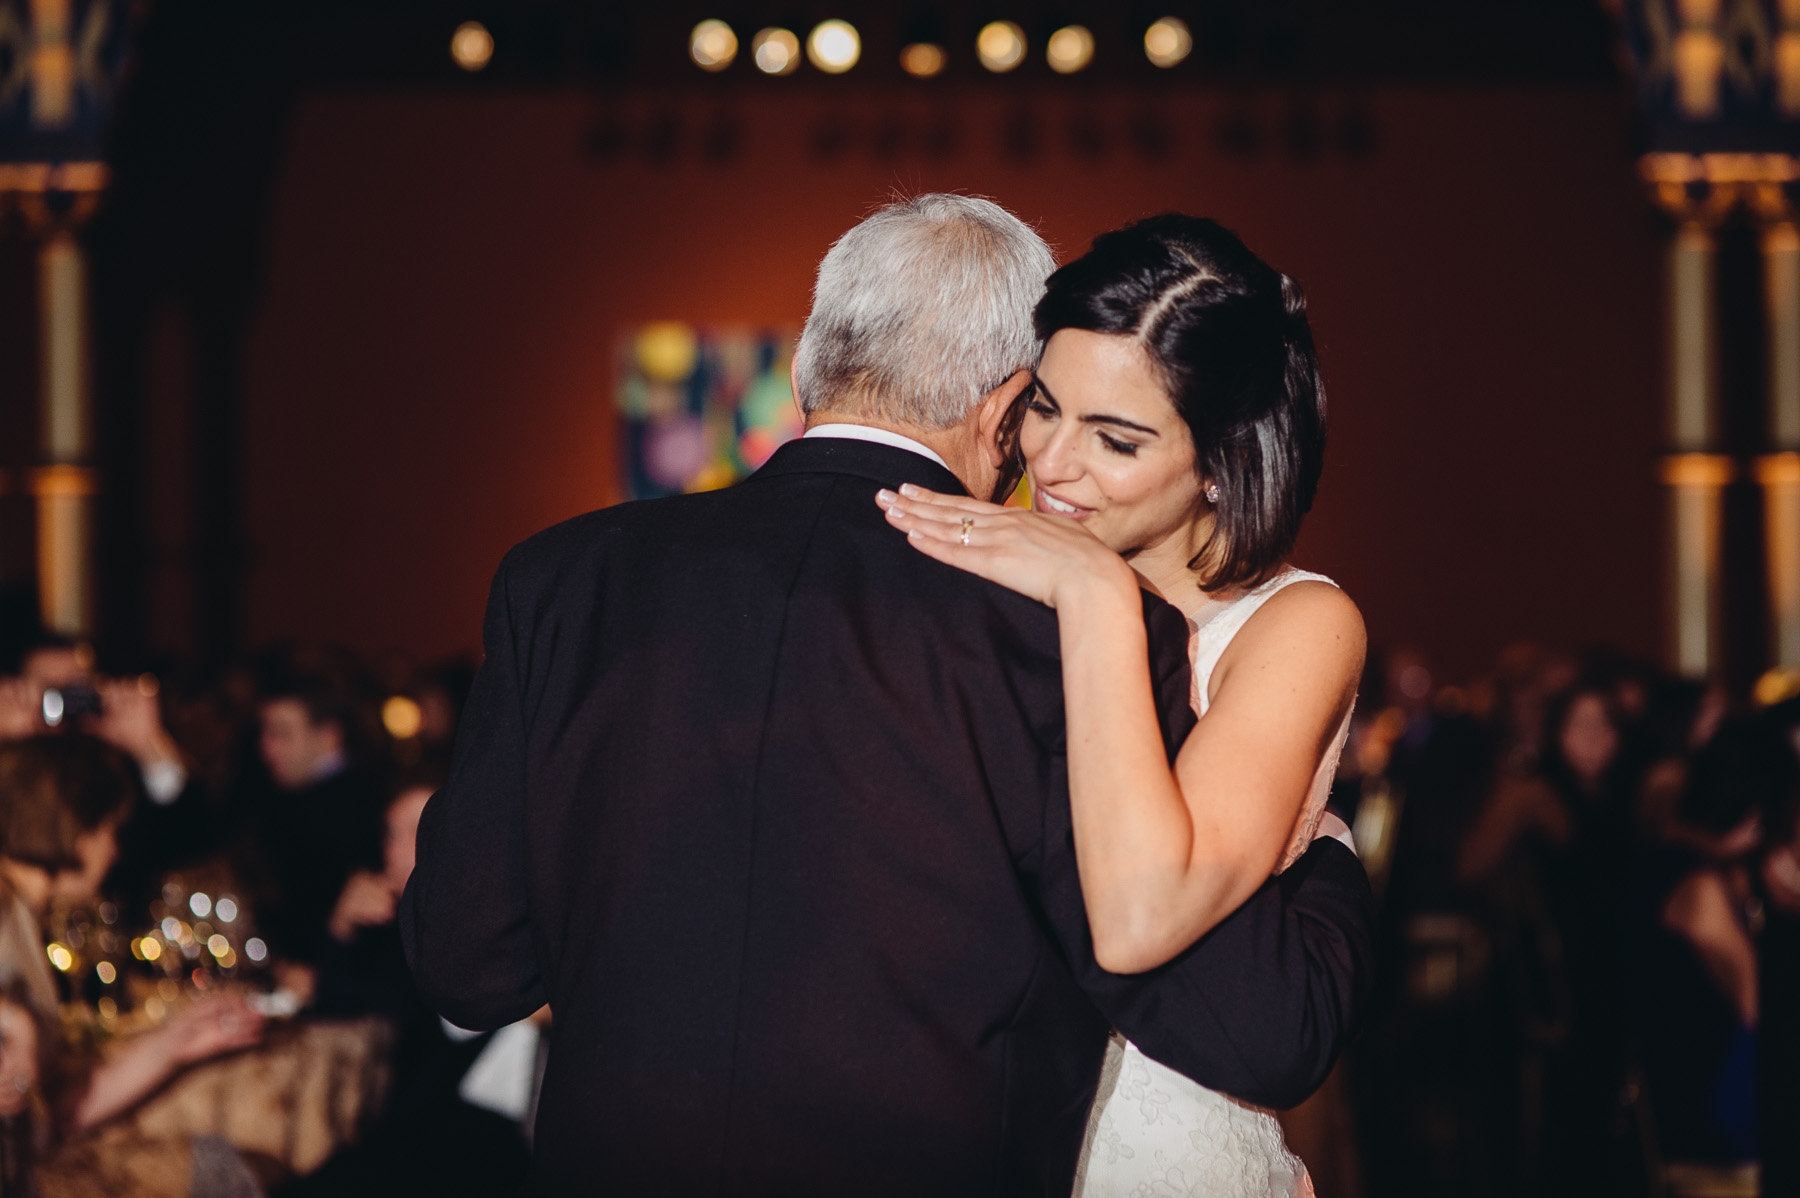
x=992, y=413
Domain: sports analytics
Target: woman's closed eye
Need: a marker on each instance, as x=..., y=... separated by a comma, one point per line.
x=1127, y=448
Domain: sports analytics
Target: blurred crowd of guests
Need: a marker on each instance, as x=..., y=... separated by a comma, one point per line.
x=291, y=787
x=1589, y=876
x=1590, y=885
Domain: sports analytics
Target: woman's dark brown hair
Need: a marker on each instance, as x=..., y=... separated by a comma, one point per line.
x=55, y=789
x=1228, y=335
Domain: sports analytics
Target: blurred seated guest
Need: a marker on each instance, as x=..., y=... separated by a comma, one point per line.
x=320, y=824
x=1696, y=987
x=121, y=711
x=62, y=799
x=58, y=690
x=432, y=1138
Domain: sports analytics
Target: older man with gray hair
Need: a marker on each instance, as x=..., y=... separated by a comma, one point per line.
x=773, y=812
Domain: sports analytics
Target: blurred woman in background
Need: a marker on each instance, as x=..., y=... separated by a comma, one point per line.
x=1696, y=989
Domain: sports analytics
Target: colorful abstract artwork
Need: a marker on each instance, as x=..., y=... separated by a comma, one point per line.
x=702, y=407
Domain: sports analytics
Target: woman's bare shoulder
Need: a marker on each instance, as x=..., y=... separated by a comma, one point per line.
x=1310, y=615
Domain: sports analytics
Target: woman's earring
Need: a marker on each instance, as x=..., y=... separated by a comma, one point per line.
x=1212, y=493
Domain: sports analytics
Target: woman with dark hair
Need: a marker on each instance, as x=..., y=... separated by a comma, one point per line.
x=1173, y=441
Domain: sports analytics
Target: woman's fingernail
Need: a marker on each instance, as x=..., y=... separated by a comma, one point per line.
x=908, y=489
x=885, y=496
x=894, y=509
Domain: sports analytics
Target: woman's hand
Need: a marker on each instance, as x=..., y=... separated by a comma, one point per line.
x=367, y=901
x=213, y=1026
x=1045, y=557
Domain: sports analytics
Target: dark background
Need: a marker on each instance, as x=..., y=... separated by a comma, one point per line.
x=356, y=310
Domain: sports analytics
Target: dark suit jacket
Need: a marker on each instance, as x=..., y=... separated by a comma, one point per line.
x=772, y=810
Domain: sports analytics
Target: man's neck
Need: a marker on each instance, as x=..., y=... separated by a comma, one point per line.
x=953, y=444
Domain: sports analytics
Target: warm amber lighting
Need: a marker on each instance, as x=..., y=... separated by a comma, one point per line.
x=1001, y=46
x=667, y=351
x=109, y=1009
x=1777, y=686
x=834, y=46
x=106, y=973
x=227, y=959
x=1168, y=42
x=712, y=45
x=60, y=957
x=217, y=945
x=1071, y=48
x=922, y=60
x=1699, y=57
x=472, y=46
x=775, y=51
x=149, y=948
x=401, y=717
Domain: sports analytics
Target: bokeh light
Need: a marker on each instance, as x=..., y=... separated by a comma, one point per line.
x=200, y=905
x=149, y=948
x=666, y=350
x=217, y=945
x=1070, y=49
x=471, y=46
x=834, y=46
x=1000, y=46
x=922, y=60
x=60, y=957
x=226, y=909
x=775, y=51
x=401, y=716
x=255, y=949
x=1168, y=42
x=106, y=973
x=712, y=45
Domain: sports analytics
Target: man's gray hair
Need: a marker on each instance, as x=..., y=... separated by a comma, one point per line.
x=921, y=310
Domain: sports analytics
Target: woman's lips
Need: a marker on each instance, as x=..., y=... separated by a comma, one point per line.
x=1052, y=505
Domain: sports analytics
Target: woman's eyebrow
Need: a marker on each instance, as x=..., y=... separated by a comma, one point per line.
x=1119, y=422
x=1116, y=421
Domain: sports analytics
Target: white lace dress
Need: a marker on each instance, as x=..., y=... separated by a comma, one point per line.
x=1153, y=1133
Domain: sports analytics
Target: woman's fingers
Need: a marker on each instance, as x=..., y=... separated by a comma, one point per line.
x=914, y=493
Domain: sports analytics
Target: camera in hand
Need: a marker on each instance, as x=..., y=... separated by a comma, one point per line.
x=65, y=704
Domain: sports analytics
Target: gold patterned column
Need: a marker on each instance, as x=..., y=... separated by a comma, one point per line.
x=1694, y=471
x=55, y=200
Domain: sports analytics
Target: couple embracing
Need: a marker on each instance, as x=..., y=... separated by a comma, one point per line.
x=869, y=838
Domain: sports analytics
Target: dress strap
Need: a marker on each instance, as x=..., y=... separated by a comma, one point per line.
x=1210, y=639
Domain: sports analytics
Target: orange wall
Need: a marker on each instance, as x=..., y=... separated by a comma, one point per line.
x=430, y=376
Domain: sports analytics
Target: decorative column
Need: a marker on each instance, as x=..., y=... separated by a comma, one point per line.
x=55, y=200
x=64, y=485
x=66, y=55
x=1694, y=471
x=1778, y=471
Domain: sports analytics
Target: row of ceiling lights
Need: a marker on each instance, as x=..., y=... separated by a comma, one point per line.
x=835, y=46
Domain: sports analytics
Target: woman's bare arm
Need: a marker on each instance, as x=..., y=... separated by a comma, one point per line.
x=1700, y=912
x=1166, y=853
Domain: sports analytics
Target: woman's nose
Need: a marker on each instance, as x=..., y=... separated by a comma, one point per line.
x=1057, y=461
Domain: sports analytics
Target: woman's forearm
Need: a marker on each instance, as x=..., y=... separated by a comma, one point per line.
x=126, y=1079
x=1135, y=835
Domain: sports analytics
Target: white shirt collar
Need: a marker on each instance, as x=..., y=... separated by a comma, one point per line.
x=881, y=436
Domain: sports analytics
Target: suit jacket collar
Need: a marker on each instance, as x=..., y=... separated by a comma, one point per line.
x=885, y=464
